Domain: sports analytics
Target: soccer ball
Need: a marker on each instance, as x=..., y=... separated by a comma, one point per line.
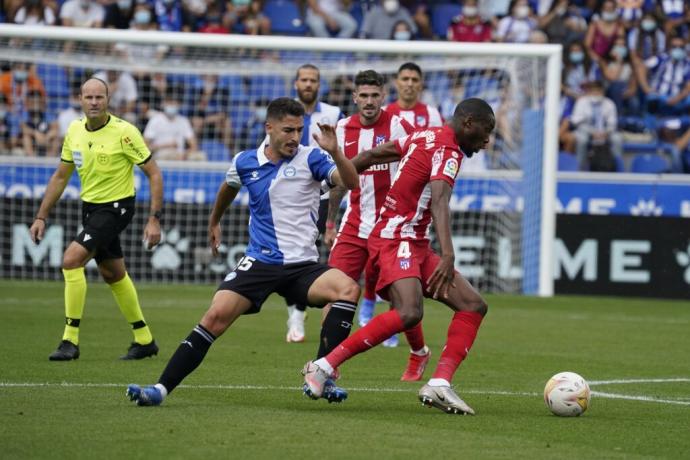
x=567, y=394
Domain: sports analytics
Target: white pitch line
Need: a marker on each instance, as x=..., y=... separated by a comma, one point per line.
x=639, y=398
x=364, y=389
x=624, y=381
x=244, y=387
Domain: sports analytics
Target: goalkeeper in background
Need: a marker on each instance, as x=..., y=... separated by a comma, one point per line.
x=104, y=150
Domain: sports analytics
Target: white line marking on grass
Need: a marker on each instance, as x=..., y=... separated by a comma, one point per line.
x=639, y=398
x=244, y=387
x=375, y=390
x=624, y=381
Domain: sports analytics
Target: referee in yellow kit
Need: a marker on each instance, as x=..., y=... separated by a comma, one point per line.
x=104, y=150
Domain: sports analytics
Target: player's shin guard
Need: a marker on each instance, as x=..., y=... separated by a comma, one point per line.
x=187, y=357
x=75, y=298
x=336, y=326
x=461, y=334
x=376, y=331
x=126, y=297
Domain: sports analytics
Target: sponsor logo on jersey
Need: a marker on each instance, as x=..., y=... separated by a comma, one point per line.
x=451, y=168
x=231, y=276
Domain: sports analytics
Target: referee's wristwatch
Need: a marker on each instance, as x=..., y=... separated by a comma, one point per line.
x=157, y=215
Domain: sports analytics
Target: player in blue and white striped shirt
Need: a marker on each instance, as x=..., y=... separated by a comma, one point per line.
x=307, y=84
x=283, y=179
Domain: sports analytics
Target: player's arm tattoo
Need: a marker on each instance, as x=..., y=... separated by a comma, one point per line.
x=384, y=153
x=335, y=196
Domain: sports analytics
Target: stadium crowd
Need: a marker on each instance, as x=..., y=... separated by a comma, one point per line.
x=625, y=102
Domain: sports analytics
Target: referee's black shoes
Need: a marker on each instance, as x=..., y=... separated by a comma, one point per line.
x=66, y=351
x=139, y=351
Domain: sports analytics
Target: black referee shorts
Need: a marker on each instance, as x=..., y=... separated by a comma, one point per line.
x=103, y=223
x=256, y=281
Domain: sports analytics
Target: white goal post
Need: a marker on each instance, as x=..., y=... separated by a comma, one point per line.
x=505, y=207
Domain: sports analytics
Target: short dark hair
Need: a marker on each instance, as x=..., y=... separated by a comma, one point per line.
x=107, y=90
x=369, y=77
x=309, y=67
x=477, y=108
x=410, y=66
x=282, y=107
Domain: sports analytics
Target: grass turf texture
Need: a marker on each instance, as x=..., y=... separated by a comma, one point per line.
x=245, y=399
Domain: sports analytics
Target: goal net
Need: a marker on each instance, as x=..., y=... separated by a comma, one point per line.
x=502, y=208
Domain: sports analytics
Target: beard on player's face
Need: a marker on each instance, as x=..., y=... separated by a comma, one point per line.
x=307, y=96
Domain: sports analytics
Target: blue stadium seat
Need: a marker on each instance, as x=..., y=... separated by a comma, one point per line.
x=267, y=87
x=237, y=87
x=285, y=17
x=650, y=163
x=439, y=85
x=441, y=16
x=215, y=150
x=55, y=80
x=567, y=162
x=239, y=117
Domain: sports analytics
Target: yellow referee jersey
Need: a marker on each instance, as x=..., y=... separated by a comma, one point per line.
x=105, y=158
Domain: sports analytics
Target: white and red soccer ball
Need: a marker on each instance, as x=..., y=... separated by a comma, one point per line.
x=567, y=394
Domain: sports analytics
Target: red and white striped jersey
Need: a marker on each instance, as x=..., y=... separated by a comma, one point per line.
x=421, y=116
x=427, y=155
x=366, y=201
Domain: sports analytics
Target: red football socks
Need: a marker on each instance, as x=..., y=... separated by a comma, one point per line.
x=461, y=334
x=376, y=331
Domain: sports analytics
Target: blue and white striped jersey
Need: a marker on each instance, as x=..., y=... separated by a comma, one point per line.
x=283, y=202
x=324, y=114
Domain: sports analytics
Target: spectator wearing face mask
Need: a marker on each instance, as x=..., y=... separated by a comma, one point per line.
x=517, y=27
x=645, y=41
x=619, y=77
x=118, y=15
x=82, y=13
x=402, y=32
x=16, y=84
x=665, y=79
x=595, y=119
x=33, y=12
x=603, y=31
x=379, y=22
x=169, y=134
x=469, y=26
x=577, y=69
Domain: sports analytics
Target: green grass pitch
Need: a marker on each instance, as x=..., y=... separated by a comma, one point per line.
x=245, y=400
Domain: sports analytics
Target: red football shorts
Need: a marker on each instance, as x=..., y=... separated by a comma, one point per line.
x=350, y=254
x=399, y=259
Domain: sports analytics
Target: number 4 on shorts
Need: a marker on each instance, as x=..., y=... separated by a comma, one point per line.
x=404, y=250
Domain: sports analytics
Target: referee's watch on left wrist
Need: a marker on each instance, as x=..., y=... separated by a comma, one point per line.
x=157, y=215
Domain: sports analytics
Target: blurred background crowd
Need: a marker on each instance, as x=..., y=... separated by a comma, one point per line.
x=625, y=94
